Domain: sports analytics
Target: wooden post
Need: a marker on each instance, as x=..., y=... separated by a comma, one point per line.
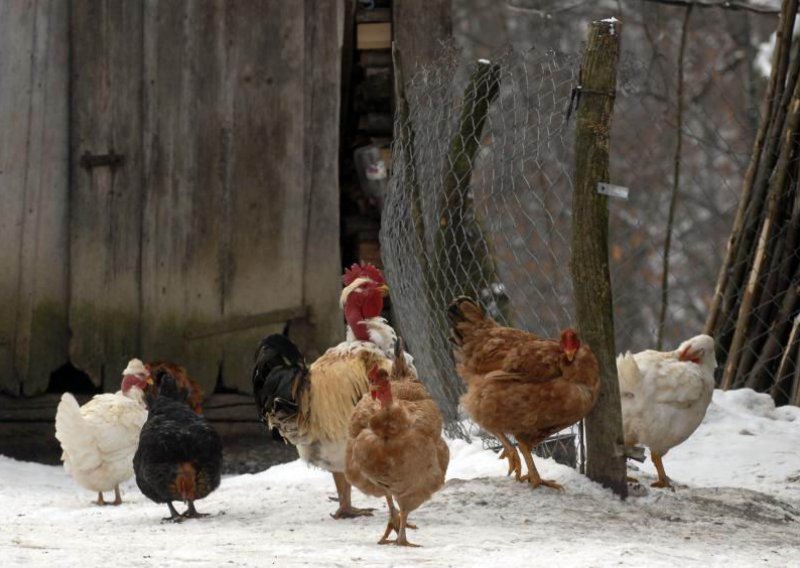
x=589, y=262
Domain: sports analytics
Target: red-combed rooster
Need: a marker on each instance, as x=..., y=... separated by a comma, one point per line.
x=311, y=406
x=520, y=384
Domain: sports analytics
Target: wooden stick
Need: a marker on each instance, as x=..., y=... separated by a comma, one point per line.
x=777, y=382
x=777, y=187
x=724, y=291
x=589, y=263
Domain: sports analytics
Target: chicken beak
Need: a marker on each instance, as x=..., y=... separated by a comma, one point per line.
x=384, y=290
x=150, y=381
x=570, y=354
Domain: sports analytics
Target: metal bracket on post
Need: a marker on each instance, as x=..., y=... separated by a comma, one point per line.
x=612, y=190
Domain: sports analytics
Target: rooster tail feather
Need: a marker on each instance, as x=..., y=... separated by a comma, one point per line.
x=279, y=372
x=464, y=315
x=400, y=366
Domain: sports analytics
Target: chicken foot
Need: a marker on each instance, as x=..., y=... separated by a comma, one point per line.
x=117, y=496
x=394, y=522
x=346, y=509
x=510, y=452
x=663, y=480
x=175, y=516
x=533, y=476
x=191, y=512
x=401, y=533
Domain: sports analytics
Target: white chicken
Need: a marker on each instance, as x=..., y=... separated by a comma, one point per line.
x=665, y=395
x=100, y=438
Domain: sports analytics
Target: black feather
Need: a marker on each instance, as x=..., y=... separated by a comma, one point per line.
x=174, y=437
x=279, y=365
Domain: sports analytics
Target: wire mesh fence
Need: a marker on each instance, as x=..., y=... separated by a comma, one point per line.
x=480, y=202
x=481, y=191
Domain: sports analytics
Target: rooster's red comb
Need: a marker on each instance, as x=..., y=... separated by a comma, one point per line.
x=364, y=270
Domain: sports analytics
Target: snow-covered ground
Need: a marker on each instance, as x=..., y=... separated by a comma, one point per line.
x=738, y=505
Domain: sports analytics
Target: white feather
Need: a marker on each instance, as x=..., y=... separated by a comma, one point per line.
x=663, y=398
x=100, y=438
x=382, y=335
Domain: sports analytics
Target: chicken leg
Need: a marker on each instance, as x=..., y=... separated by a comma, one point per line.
x=117, y=496
x=401, y=533
x=191, y=512
x=394, y=522
x=346, y=509
x=174, y=516
x=532, y=476
x=510, y=452
x=100, y=501
x=663, y=480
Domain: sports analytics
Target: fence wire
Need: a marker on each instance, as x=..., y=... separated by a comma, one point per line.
x=480, y=202
x=481, y=189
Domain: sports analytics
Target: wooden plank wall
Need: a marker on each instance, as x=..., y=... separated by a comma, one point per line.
x=33, y=192
x=324, y=41
x=420, y=27
x=225, y=209
x=105, y=211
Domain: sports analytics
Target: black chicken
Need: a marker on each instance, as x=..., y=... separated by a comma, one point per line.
x=179, y=457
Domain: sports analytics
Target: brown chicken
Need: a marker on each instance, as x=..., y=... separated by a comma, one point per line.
x=395, y=447
x=520, y=384
x=194, y=394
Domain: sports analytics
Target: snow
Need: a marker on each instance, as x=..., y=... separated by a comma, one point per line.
x=737, y=504
x=763, y=60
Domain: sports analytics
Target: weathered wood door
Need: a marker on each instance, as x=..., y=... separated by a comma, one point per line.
x=204, y=202
x=33, y=193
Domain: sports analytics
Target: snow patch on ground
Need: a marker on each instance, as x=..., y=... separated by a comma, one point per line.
x=738, y=505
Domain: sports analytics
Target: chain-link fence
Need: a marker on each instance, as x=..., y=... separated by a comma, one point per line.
x=480, y=202
x=721, y=76
x=481, y=193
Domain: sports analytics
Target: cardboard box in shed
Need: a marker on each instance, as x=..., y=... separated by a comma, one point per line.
x=374, y=36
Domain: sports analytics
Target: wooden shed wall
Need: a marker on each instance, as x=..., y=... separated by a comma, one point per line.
x=33, y=192
x=223, y=219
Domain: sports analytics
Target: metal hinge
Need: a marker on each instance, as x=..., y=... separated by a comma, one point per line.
x=112, y=160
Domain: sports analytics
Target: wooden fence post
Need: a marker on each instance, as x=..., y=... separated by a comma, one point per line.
x=589, y=262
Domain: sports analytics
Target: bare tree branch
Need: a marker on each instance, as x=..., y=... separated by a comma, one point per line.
x=724, y=5
x=676, y=179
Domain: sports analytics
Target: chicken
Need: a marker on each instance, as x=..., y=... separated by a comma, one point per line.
x=520, y=384
x=100, y=438
x=180, y=454
x=665, y=395
x=311, y=406
x=395, y=447
x=194, y=394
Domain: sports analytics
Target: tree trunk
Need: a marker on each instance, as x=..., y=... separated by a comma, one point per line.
x=589, y=262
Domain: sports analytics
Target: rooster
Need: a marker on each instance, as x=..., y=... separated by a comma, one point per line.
x=395, y=447
x=665, y=395
x=310, y=406
x=362, y=303
x=100, y=438
x=180, y=454
x=520, y=384
x=194, y=394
